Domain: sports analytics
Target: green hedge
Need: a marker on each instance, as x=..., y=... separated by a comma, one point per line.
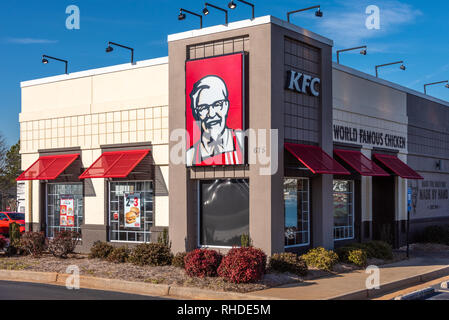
x=288, y=262
x=372, y=250
x=434, y=234
x=352, y=255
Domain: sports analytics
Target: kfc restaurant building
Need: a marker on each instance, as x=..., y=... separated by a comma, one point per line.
x=246, y=129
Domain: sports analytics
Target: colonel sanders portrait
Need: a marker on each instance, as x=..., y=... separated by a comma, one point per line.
x=217, y=144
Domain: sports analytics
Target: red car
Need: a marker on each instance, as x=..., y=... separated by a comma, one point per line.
x=6, y=218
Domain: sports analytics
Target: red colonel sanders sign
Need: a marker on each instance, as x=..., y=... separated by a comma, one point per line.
x=215, y=111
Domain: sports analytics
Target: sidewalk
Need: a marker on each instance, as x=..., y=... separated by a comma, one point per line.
x=420, y=268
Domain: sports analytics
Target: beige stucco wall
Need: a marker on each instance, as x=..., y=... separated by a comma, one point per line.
x=363, y=102
x=117, y=105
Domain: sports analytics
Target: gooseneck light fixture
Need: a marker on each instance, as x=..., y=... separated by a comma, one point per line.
x=434, y=83
x=233, y=5
x=402, y=67
x=206, y=10
x=318, y=13
x=362, y=52
x=182, y=16
x=45, y=61
x=110, y=49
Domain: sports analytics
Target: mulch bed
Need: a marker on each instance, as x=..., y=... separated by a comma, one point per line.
x=159, y=275
x=126, y=271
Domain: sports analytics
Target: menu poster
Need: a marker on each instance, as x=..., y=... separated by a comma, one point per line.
x=132, y=210
x=66, y=212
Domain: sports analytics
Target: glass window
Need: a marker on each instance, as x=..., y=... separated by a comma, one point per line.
x=343, y=210
x=16, y=216
x=297, y=212
x=224, y=212
x=130, y=211
x=64, y=207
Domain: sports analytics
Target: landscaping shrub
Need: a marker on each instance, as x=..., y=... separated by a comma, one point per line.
x=373, y=249
x=435, y=234
x=63, y=243
x=320, y=258
x=100, y=250
x=14, y=238
x=3, y=242
x=378, y=250
x=245, y=241
x=357, y=257
x=164, y=239
x=151, y=254
x=33, y=243
x=288, y=262
x=178, y=260
x=202, y=263
x=119, y=255
x=243, y=265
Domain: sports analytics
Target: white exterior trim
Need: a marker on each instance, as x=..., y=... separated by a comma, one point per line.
x=386, y=83
x=245, y=24
x=98, y=71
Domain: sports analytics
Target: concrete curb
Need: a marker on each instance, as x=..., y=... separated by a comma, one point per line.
x=419, y=294
x=28, y=276
x=394, y=285
x=141, y=288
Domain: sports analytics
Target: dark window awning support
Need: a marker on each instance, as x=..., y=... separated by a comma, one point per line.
x=315, y=159
x=360, y=163
x=48, y=167
x=397, y=166
x=115, y=164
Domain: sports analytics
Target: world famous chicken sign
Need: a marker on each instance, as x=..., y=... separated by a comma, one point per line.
x=215, y=111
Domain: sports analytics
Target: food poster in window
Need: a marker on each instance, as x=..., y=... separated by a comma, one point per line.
x=132, y=210
x=67, y=212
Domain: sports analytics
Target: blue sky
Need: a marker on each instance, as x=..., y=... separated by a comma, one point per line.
x=414, y=31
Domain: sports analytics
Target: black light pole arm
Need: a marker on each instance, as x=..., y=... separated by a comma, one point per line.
x=194, y=14
x=218, y=8
x=350, y=49
x=250, y=4
x=301, y=10
x=122, y=46
x=434, y=83
x=385, y=65
x=45, y=57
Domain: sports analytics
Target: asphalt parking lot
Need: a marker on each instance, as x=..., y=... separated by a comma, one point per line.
x=10, y=290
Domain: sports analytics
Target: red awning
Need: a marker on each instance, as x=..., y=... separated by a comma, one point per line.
x=48, y=167
x=315, y=159
x=116, y=164
x=360, y=163
x=397, y=166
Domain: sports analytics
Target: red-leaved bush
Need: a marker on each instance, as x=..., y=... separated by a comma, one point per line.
x=202, y=263
x=3, y=242
x=33, y=243
x=243, y=265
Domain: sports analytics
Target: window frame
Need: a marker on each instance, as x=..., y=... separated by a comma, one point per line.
x=352, y=210
x=46, y=208
x=109, y=234
x=308, y=213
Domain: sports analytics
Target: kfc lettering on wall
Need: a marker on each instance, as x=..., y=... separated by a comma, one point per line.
x=303, y=83
x=215, y=111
